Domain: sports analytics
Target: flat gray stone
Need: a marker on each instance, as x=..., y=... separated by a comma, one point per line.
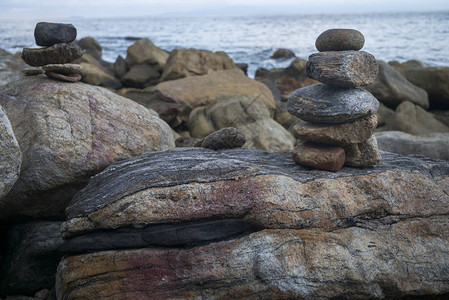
x=322, y=103
x=340, y=40
x=343, y=68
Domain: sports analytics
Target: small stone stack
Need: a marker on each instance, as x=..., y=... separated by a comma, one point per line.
x=57, y=54
x=339, y=116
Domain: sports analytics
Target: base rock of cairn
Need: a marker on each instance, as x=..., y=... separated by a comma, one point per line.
x=339, y=115
x=55, y=59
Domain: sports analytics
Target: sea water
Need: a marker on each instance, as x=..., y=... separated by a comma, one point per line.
x=253, y=39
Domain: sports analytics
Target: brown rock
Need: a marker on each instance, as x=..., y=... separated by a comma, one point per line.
x=283, y=53
x=141, y=76
x=225, y=138
x=94, y=73
x=91, y=46
x=32, y=71
x=192, y=62
x=340, y=40
x=144, y=51
x=319, y=157
x=343, y=68
x=364, y=154
x=62, y=77
x=336, y=134
x=63, y=68
x=56, y=54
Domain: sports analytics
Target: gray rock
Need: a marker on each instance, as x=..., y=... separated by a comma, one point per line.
x=188, y=142
x=143, y=51
x=340, y=40
x=120, y=67
x=10, y=155
x=337, y=134
x=32, y=257
x=322, y=103
x=364, y=154
x=91, y=46
x=63, y=77
x=63, y=68
x=328, y=158
x=343, y=68
x=32, y=71
x=94, y=73
x=68, y=132
x=283, y=53
x=243, y=67
x=391, y=88
x=48, y=34
x=11, y=66
x=433, y=145
x=225, y=138
x=56, y=54
x=141, y=76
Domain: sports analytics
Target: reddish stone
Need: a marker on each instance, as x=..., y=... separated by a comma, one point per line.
x=319, y=157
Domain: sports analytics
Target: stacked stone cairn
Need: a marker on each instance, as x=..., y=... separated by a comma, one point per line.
x=57, y=54
x=338, y=115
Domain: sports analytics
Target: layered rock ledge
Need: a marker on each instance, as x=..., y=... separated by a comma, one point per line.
x=253, y=224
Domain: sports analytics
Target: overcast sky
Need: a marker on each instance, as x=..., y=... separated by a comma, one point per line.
x=61, y=9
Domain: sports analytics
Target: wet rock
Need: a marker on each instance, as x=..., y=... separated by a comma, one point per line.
x=10, y=154
x=337, y=134
x=340, y=40
x=391, y=88
x=249, y=115
x=32, y=257
x=330, y=104
x=67, y=133
x=192, y=62
x=202, y=90
x=283, y=53
x=364, y=154
x=225, y=138
x=57, y=54
x=343, y=68
x=433, y=145
x=144, y=51
x=319, y=157
x=48, y=34
x=141, y=76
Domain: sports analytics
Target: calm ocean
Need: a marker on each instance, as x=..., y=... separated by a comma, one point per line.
x=252, y=39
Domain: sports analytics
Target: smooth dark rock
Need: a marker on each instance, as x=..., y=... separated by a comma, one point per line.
x=157, y=235
x=328, y=158
x=283, y=53
x=364, y=154
x=56, y=54
x=32, y=257
x=343, y=68
x=48, y=34
x=225, y=138
x=330, y=104
x=340, y=40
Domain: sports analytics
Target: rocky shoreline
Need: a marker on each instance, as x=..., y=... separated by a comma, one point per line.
x=170, y=175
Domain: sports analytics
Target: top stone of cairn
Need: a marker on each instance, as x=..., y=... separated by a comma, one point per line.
x=340, y=40
x=48, y=34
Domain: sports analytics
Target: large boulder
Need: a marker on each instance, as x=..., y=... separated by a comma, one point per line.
x=11, y=66
x=141, y=76
x=250, y=115
x=391, y=88
x=10, y=155
x=144, y=51
x=91, y=46
x=202, y=90
x=192, y=62
x=94, y=73
x=435, y=81
x=433, y=145
x=68, y=132
x=32, y=257
x=303, y=234
x=413, y=119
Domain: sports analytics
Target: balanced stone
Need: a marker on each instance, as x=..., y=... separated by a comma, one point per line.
x=63, y=68
x=32, y=71
x=319, y=157
x=342, y=134
x=64, y=77
x=340, y=40
x=343, y=68
x=225, y=138
x=57, y=54
x=365, y=154
x=48, y=34
x=330, y=104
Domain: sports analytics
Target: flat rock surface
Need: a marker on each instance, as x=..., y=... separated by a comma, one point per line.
x=343, y=68
x=330, y=104
x=340, y=40
x=10, y=155
x=267, y=189
x=337, y=134
x=56, y=54
x=68, y=132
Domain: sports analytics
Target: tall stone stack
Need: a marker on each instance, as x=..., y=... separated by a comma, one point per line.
x=338, y=115
x=57, y=54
